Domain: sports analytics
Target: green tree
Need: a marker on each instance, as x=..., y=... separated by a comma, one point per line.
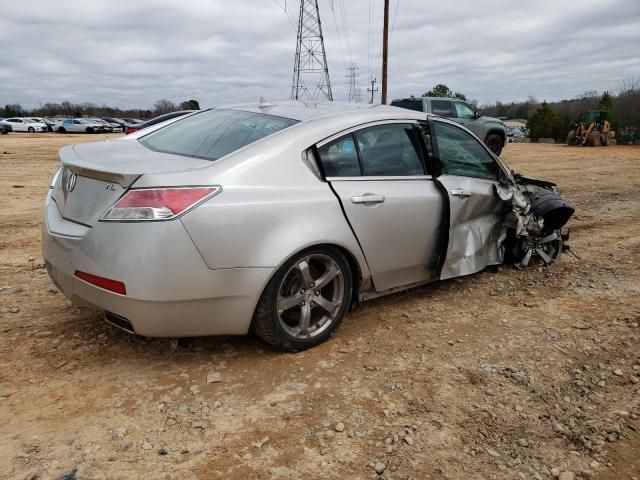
x=441, y=90
x=606, y=102
x=544, y=123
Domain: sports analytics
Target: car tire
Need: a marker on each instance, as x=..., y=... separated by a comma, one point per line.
x=31, y=130
x=293, y=296
x=594, y=139
x=62, y=130
x=89, y=130
x=495, y=143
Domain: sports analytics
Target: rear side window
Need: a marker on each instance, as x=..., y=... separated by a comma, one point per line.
x=340, y=158
x=441, y=107
x=214, y=133
x=409, y=103
x=389, y=150
x=382, y=151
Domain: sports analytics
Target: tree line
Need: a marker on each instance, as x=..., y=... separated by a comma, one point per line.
x=68, y=109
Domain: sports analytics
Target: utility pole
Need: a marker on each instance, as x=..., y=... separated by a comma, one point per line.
x=385, y=51
x=311, y=60
x=372, y=89
x=352, y=70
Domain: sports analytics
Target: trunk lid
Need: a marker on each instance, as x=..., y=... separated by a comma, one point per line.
x=94, y=175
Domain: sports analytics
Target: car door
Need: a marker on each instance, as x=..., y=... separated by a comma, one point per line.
x=392, y=205
x=18, y=124
x=469, y=174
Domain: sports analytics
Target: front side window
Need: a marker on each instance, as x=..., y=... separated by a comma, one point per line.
x=464, y=111
x=212, y=134
x=389, y=150
x=339, y=158
x=461, y=154
x=441, y=107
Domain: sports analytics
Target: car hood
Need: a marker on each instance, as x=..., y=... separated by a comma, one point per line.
x=492, y=120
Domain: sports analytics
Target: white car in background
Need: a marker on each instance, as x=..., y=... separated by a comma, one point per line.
x=77, y=125
x=25, y=125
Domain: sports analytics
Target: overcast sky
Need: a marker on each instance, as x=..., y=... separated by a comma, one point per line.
x=132, y=53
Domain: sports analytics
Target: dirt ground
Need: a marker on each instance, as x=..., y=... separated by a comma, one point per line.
x=506, y=374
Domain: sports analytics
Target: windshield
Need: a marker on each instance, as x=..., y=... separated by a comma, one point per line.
x=214, y=133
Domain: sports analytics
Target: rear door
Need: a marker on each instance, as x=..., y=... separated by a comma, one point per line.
x=393, y=207
x=469, y=174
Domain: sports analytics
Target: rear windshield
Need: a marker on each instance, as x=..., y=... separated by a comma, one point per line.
x=212, y=134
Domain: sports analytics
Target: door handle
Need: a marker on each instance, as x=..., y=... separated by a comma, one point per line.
x=367, y=198
x=458, y=192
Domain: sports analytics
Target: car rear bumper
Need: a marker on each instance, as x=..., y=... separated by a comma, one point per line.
x=170, y=292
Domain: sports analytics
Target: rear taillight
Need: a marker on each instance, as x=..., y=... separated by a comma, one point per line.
x=153, y=204
x=131, y=130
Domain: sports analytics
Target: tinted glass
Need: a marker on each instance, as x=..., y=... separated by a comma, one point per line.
x=339, y=158
x=410, y=104
x=461, y=154
x=441, y=107
x=214, y=133
x=464, y=111
x=389, y=150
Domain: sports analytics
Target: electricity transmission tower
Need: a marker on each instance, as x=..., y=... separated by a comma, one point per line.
x=310, y=69
x=354, y=92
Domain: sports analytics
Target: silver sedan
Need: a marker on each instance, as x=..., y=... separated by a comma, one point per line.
x=277, y=218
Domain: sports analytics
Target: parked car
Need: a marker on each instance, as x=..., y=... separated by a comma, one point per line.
x=5, y=128
x=19, y=124
x=117, y=121
x=115, y=126
x=46, y=121
x=77, y=125
x=105, y=127
x=154, y=121
x=278, y=217
x=491, y=130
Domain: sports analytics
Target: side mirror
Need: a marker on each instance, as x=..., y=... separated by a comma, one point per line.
x=478, y=114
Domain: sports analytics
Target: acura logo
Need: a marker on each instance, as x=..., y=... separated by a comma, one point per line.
x=71, y=182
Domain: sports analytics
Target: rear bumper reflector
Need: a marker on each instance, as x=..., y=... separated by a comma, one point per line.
x=106, y=283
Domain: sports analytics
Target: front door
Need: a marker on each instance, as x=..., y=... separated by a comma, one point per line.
x=469, y=176
x=394, y=209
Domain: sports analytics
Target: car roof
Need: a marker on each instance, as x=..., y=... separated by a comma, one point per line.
x=305, y=111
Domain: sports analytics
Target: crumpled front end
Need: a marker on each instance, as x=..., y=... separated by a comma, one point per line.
x=534, y=223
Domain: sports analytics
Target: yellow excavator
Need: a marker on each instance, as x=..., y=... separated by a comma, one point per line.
x=592, y=130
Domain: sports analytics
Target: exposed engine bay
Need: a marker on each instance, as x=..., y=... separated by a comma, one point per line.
x=534, y=222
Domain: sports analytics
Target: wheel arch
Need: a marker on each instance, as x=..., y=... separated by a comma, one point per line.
x=497, y=131
x=356, y=270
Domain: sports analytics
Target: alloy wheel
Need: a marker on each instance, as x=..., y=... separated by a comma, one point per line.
x=310, y=296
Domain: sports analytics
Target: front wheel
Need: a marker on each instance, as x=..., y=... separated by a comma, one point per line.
x=32, y=130
x=62, y=130
x=495, y=143
x=572, y=139
x=306, y=300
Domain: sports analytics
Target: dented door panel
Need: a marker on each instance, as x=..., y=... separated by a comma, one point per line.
x=476, y=227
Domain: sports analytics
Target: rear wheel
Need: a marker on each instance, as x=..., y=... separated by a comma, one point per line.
x=89, y=130
x=571, y=138
x=306, y=300
x=31, y=130
x=495, y=143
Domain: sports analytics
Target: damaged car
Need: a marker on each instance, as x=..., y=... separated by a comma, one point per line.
x=276, y=218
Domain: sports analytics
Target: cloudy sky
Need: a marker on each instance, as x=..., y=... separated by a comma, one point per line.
x=132, y=53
